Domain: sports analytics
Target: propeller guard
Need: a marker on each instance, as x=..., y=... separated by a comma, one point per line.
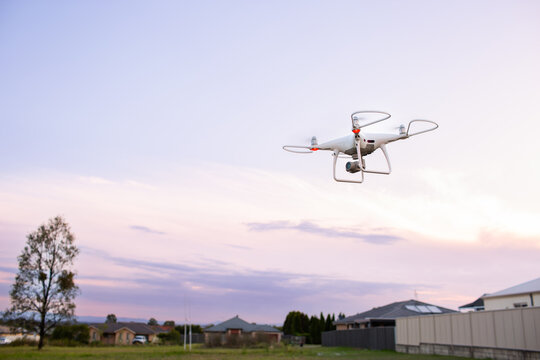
x=290, y=148
x=386, y=116
x=423, y=131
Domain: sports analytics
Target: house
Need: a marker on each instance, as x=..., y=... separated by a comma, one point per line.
x=13, y=334
x=237, y=326
x=386, y=315
x=476, y=305
x=526, y=294
x=121, y=333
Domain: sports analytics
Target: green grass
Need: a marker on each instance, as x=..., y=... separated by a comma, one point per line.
x=200, y=353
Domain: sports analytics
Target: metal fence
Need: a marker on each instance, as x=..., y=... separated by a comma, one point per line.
x=195, y=338
x=512, y=329
x=378, y=338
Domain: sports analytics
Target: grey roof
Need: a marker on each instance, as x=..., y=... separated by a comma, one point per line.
x=393, y=311
x=524, y=288
x=137, y=328
x=265, y=328
x=478, y=303
x=237, y=323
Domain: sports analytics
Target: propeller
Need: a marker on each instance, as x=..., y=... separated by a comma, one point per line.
x=310, y=149
x=402, y=129
x=406, y=130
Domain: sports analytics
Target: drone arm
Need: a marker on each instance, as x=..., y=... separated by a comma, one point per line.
x=335, y=156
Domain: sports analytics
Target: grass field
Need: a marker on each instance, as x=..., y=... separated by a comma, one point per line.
x=200, y=353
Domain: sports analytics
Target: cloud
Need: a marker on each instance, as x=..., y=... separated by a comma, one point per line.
x=214, y=290
x=96, y=180
x=146, y=229
x=239, y=247
x=332, y=232
x=8, y=269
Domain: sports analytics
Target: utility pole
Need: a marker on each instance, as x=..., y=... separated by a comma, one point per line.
x=189, y=314
x=185, y=333
x=185, y=323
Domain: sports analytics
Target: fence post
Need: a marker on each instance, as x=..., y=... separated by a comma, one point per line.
x=523, y=327
x=494, y=329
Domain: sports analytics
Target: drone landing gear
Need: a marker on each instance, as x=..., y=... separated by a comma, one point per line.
x=335, y=155
x=360, y=166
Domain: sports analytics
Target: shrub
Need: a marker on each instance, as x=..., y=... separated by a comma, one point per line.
x=23, y=342
x=173, y=337
x=213, y=340
x=261, y=338
x=70, y=335
x=238, y=340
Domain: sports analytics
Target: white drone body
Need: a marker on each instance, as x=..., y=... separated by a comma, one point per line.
x=359, y=144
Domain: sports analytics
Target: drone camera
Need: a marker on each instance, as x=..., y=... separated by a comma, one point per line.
x=353, y=167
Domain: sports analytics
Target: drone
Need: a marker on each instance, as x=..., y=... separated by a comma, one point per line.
x=359, y=144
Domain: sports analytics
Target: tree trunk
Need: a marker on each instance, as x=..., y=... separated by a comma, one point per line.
x=41, y=331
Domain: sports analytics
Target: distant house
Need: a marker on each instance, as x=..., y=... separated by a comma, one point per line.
x=386, y=315
x=476, y=305
x=526, y=294
x=237, y=326
x=121, y=333
x=14, y=334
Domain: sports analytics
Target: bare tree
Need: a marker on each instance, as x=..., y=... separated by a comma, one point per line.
x=44, y=288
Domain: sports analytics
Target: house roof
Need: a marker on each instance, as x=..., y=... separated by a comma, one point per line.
x=528, y=287
x=237, y=323
x=162, y=328
x=478, y=303
x=395, y=310
x=9, y=330
x=137, y=328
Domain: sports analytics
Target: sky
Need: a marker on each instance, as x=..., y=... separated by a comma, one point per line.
x=155, y=129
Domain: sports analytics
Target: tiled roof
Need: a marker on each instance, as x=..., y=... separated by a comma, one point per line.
x=524, y=288
x=162, y=328
x=265, y=328
x=237, y=323
x=137, y=328
x=395, y=310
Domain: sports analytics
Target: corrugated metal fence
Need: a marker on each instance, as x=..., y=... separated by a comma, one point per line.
x=513, y=329
x=378, y=338
x=195, y=339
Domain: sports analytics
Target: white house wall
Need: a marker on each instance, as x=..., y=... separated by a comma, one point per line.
x=507, y=302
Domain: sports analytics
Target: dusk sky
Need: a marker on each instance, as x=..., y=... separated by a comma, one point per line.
x=155, y=128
